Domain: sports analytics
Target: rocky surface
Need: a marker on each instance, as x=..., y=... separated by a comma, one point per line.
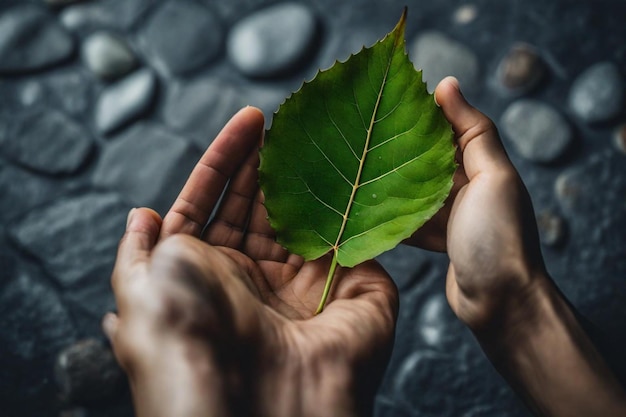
x=87, y=133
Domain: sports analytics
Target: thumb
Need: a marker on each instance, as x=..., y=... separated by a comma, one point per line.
x=142, y=231
x=475, y=133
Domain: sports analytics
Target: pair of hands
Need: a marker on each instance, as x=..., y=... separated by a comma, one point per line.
x=218, y=320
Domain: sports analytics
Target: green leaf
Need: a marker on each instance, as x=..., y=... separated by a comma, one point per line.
x=358, y=159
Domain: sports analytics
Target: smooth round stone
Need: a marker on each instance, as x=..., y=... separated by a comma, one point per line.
x=537, y=131
x=273, y=40
x=520, y=70
x=619, y=138
x=465, y=14
x=125, y=101
x=45, y=140
x=30, y=39
x=87, y=372
x=439, y=56
x=181, y=36
x=597, y=94
x=91, y=15
x=108, y=55
x=552, y=228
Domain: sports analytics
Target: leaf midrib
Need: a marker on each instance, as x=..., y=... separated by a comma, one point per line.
x=366, y=150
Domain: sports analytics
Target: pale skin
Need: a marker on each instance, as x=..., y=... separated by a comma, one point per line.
x=218, y=320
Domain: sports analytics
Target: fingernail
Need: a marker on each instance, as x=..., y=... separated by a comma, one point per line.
x=130, y=217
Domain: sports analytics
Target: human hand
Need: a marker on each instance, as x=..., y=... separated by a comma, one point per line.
x=220, y=319
x=498, y=285
x=487, y=225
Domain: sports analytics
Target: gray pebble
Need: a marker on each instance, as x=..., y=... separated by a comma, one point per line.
x=273, y=40
x=537, y=131
x=45, y=140
x=619, y=138
x=30, y=39
x=597, y=94
x=125, y=100
x=520, y=70
x=439, y=56
x=552, y=228
x=181, y=36
x=107, y=55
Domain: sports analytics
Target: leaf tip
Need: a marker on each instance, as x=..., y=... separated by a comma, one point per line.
x=400, y=26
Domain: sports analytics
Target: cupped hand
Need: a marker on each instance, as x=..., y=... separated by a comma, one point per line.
x=211, y=282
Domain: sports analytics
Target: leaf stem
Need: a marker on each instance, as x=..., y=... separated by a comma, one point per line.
x=329, y=283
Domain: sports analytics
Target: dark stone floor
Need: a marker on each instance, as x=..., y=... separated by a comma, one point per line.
x=106, y=104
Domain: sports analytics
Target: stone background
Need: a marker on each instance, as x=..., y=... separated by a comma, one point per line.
x=106, y=104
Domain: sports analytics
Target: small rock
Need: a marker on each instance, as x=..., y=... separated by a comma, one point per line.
x=520, y=70
x=538, y=132
x=30, y=39
x=181, y=36
x=187, y=105
x=30, y=93
x=87, y=373
x=439, y=56
x=45, y=140
x=125, y=100
x=551, y=227
x=165, y=160
x=465, y=14
x=619, y=138
x=597, y=95
x=273, y=40
x=109, y=14
x=108, y=55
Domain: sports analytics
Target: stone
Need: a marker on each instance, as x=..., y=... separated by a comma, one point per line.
x=536, y=130
x=104, y=14
x=439, y=56
x=108, y=55
x=552, y=228
x=124, y=101
x=45, y=140
x=22, y=190
x=165, y=160
x=75, y=239
x=273, y=40
x=71, y=90
x=465, y=14
x=520, y=70
x=34, y=325
x=597, y=95
x=200, y=108
x=30, y=40
x=619, y=138
x=181, y=36
x=87, y=373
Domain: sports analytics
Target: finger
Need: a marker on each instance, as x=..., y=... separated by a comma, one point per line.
x=476, y=134
x=110, y=325
x=260, y=242
x=228, y=226
x=195, y=203
x=142, y=231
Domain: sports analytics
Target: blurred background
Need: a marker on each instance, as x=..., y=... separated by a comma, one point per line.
x=107, y=104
